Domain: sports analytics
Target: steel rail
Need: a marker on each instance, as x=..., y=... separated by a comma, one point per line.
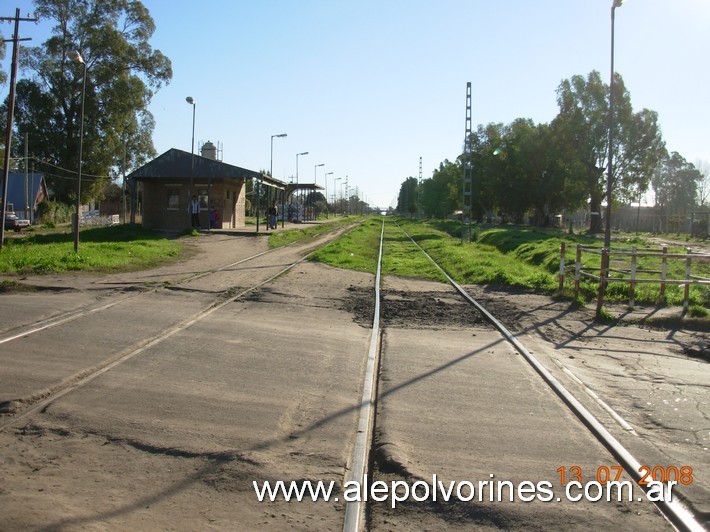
x=88, y=375
x=87, y=310
x=673, y=511
x=354, y=510
x=146, y=344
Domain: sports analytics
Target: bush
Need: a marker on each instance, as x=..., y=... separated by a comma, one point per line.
x=51, y=213
x=696, y=311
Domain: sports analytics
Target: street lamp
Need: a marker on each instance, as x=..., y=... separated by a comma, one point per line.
x=325, y=178
x=192, y=102
x=76, y=57
x=315, y=179
x=271, y=174
x=610, y=166
x=315, y=169
x=297, y=156
x=335, y=179
x=303, y=153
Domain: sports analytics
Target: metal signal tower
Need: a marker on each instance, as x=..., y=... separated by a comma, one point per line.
x=420, y=191
x=467, y=203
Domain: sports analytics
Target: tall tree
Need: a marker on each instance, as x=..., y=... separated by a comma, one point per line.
x=407, y=199
x=486, y=173
x=122, y=74
x=3, y=76
x=676, y=185
x=441, y=195
x=520, y=161
x=584, y=119
x=704, y=184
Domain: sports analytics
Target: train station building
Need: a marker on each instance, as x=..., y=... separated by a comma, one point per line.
x=169, y=180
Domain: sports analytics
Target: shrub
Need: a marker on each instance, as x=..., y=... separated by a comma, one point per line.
x=53, y=212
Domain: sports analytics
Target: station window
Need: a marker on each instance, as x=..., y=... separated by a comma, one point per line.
x=202, y=196
x=173, y=198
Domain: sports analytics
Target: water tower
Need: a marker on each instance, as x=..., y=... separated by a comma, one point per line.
x=209, y=150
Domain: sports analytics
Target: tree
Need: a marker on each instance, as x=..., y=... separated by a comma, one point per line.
x=704, y=184
x=486, y=172
x=406, y=201
x=519, y=161
x=441, y=194
x=122, y=73
x=316, y=200
x=584, y=120
x=3, y=76
x=676, y=185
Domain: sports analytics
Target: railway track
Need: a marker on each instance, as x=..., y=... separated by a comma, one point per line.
x=357, y=512
x=379, y=401
x=25, y=330
x=29, y=335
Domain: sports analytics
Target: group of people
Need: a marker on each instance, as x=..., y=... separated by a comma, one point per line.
x=194, y=208
x=195, y=214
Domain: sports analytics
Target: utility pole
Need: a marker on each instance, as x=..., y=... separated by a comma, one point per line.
x=10, y=111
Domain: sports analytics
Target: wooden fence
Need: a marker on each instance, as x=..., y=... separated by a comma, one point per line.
x=621, y=265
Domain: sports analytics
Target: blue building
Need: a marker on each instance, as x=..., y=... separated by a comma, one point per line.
x=24, y=193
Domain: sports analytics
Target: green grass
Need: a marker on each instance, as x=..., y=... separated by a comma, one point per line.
x=481, y=262
x=401, y=257
x=356, y=250
x=525, y=258
x=696, y=311
x=101, y=249
x=307, y=231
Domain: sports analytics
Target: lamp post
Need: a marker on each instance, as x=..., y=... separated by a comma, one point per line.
x=303, y=153
x=335, y=180
x=76, y=57
x=192, y=102
x=271, y=174
x=610, y=166
x=315, y=169
x=297, y=156
x=325, y=178
x=315, y=181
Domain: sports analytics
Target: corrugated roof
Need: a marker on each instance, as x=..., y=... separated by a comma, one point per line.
x=177, y=164
x=16, y=187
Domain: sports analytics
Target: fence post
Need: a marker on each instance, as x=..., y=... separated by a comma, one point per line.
x=602, y=279
x=577, y=270
x=632, y=284
x=562, y=267
x=664, y=271
x=686, y=292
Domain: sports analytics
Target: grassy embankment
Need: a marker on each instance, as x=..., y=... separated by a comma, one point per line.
x=525, y=258
x=116, y=248
x=101, y=249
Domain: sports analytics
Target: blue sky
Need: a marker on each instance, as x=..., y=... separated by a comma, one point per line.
x=368, y=87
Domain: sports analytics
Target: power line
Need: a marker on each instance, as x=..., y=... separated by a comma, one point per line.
x=10, y=110
x=42, y=161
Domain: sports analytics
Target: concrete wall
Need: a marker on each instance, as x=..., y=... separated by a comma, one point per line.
x=165, y=204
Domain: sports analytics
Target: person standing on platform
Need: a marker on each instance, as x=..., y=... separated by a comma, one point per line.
x=195, y=212
x=273, y=213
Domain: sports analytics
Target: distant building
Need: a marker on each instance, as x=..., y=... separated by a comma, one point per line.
x=25, y=192
x=166, y=189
